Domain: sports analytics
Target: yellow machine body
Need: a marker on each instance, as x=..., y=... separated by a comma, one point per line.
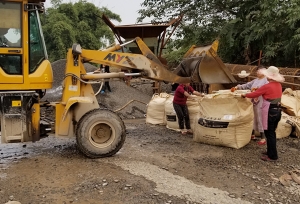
x=23, y=58
x=25, y=70
x=25, y=73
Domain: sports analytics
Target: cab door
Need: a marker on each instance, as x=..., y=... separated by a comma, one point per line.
x=11, y=50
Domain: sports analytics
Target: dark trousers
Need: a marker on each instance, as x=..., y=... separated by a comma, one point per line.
x=182, y=113
x=274, y=116
x=106, y=86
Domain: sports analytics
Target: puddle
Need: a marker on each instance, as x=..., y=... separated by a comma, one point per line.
x=11, y=152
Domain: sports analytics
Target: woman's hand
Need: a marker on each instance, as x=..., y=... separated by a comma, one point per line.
x=253, y=89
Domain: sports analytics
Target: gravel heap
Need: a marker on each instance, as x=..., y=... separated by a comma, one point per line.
x=140, y=93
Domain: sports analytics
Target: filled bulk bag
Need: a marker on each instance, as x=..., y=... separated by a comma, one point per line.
x=224, y=120
x=171, y=117
x=194, y=109
x=156, y=109
x=284, y=128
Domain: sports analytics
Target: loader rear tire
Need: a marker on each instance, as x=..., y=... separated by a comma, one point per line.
x=100, y=133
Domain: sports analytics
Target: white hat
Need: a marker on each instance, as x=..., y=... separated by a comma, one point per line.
x=273, y=73
x=243, y=74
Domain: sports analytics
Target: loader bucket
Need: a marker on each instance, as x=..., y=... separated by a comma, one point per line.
x=203, y=65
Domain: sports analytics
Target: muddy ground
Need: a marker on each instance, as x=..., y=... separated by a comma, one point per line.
x=155, y=166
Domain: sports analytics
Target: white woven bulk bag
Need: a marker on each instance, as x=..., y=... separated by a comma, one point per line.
x=295, y=122
x=224, y=120
x=284, y=128
x=170, y=115
x=156, y=109
x=194, y=109
x=290, y=101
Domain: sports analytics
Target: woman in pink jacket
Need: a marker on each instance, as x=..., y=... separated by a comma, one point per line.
x=260, y=106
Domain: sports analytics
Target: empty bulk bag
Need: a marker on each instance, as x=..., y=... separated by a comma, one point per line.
x=156, y=109
x=294, y=121
x=224, y=120
x=284, y=128
x=290, y=101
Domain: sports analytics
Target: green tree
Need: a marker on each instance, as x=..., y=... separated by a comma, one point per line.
x=244, y=27
x=69, y=23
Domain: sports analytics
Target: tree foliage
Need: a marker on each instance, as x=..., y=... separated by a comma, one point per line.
x=244, y=27
x=68, y=23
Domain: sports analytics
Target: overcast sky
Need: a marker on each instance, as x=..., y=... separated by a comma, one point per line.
x=127, y=9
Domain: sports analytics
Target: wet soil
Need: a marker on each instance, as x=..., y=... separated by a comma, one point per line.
x=155, y=165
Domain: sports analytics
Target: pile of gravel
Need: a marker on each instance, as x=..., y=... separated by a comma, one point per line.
x=129, y=102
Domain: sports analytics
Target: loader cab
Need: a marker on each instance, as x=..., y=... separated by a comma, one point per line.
x=25, y=71
x=24, y=61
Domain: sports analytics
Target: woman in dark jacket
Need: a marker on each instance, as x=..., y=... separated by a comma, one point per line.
x=183, y=91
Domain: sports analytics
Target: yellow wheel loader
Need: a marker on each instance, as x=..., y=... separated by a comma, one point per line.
x=25, y=72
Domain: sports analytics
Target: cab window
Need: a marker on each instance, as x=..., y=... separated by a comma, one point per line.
x=10, y=36
x=10, y=24
x=36, y=46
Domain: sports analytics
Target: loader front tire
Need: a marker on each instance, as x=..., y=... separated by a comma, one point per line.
x=100, y=133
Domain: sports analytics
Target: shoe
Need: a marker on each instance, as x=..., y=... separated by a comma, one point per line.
x=262, y=142
x=253, y=137
x=189, y=132
x=102, y=92
x=265, y=153
x=183, y=133
x=266, y=158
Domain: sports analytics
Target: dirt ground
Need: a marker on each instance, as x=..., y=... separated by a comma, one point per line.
x=155, y=165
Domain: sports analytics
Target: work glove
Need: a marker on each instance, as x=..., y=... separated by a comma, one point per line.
x=253, y=89
x=233, y=89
